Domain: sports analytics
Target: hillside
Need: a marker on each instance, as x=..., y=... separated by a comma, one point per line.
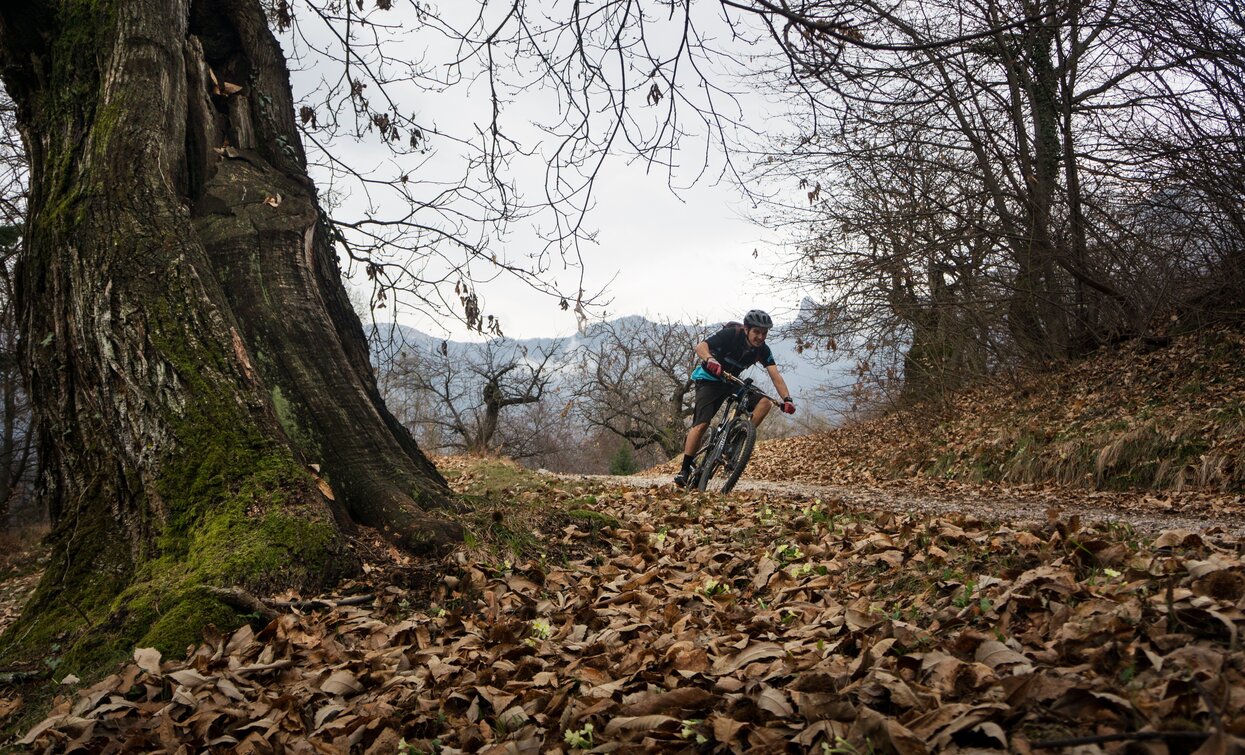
x=1136, y=417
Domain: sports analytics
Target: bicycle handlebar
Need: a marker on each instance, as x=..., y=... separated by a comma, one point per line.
x=751, y=386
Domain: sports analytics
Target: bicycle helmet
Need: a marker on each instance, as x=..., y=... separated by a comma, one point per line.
x=758, y=319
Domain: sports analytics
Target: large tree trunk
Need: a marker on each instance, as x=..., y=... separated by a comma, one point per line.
x=191, y=351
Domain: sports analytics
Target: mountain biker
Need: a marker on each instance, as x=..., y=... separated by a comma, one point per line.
x=733, y=349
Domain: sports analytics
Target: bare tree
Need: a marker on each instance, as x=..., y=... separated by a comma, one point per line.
x=636, y=381
x=972, y=202
x=17, y=458
x=908, y=288
x=16, y=436
x=629, y=381
x=545, y=433
x=640, y=79
x=464, y=395
x=1195, y=198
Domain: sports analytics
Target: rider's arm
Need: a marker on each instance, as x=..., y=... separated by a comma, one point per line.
x=780, y=385
x=702, y=350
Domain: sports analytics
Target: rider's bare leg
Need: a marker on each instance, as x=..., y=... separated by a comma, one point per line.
x=693, y=439
x=758, y=414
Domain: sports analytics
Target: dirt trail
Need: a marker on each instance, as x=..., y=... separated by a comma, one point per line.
x=1145, y=512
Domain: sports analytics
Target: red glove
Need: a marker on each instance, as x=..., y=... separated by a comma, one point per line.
x=713, y=367
x=788, y=407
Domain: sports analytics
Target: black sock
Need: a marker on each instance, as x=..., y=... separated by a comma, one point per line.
x=687, y=462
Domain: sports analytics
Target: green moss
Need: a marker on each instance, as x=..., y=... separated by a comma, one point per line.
x=236, y=508
x=181, y=626
x=164, y=604
x=90, y=565
x=85, y=29
x=142, y=616
x=289, y=421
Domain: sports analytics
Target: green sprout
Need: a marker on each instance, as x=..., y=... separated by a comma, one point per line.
x=965, y=596
x=581, y=739
x=689, y=730
x=803, y=570
x=789, y=553
x=541, y=629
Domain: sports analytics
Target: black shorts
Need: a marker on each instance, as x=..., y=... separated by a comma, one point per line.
x=710, y=395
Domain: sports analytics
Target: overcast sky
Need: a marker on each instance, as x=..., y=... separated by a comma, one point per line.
x=683, y=257
x=687, y=257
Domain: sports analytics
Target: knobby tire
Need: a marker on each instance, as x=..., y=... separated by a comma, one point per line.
x=735, y=452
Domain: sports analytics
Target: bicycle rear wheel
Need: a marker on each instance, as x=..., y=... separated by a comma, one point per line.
x=727, y=461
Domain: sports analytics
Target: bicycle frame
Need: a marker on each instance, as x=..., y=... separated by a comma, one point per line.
x=729, y=412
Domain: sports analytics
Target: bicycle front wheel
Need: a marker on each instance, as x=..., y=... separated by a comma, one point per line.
x=726, y=462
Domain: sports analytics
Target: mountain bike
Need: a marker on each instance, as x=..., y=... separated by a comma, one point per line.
x=722, y=458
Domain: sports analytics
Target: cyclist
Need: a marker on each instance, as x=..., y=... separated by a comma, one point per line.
x=733, y=349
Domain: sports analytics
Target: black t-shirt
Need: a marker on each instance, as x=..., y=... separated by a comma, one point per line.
x=730, y=347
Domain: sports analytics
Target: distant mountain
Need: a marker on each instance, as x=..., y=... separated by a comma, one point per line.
x=803, y=376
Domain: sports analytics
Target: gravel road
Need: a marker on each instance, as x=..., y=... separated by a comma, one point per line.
x=1147, y=513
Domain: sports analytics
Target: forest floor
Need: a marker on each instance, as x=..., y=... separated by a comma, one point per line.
x=969, y=577
x=588, y=614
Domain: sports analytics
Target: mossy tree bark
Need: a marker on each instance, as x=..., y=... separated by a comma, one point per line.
x=191, y=351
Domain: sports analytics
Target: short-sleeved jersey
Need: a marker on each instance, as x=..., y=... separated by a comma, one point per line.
x=730, y=347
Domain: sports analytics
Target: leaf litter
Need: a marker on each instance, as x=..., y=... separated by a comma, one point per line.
x=747, y=623
x=1169, y=418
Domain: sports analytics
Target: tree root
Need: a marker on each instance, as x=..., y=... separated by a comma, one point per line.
x=242, y=600
x=236, y=597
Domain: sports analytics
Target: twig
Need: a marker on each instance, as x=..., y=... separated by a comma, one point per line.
x=1170, y=601
x=241, y=599
x=1137, y=736
x=23, y=677
x=74, y=606
x=1210, y=705
x=353, y=600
